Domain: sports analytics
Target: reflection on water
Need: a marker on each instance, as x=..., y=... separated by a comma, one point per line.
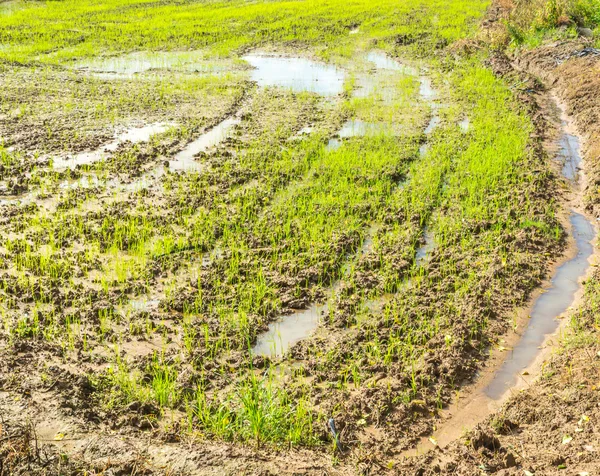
x=288, y=330
x=569, y=155
x=354, y=128
x=383, y=61
x=297, y=74
x=424, y=251
x=550, y=305
x=127, y=66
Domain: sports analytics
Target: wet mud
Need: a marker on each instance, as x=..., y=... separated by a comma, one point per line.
x=132, y=297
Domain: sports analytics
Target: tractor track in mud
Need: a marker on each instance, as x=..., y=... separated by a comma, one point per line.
x=521, y=358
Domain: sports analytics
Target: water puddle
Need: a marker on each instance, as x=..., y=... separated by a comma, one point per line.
x=84, y=182
x=368, y=242
x=129, y=65
x=354, y=128
x=548, y=307
x=358, y=128
x=569, y=156
x=302, y=133
x=374, y=87
x=433, y=123
x=185, y=160
x=333, y=145
x=424, y=252
x=565, y=283
x=139, y=305
x=381, y=84
x=383, y=61
x=289, y=330
x=134, y=135
x=426, y=89
x=297, y=74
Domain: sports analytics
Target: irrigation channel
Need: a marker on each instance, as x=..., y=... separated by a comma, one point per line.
x=297, y=74
x=545, y=316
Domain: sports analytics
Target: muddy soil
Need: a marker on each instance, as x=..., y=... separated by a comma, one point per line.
x=60, y=408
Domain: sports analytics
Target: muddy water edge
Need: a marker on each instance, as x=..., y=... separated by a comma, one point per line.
x=516, y=364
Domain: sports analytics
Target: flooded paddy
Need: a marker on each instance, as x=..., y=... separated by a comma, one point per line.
x=195, y=214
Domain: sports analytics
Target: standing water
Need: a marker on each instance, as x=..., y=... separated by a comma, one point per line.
x=547, y=308
x=569, y=156
x=293, y=328
x=297, y=74
x=133, y=135
x=184, y=160
x=565, y=283
x=284, y=333
x=354, y=128
x=425, y=250
x=383, y=61
x=129, y=65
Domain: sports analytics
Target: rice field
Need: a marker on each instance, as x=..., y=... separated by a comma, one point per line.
x=235, y=221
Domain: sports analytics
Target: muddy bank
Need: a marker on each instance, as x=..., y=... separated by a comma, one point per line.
x=572, y=70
